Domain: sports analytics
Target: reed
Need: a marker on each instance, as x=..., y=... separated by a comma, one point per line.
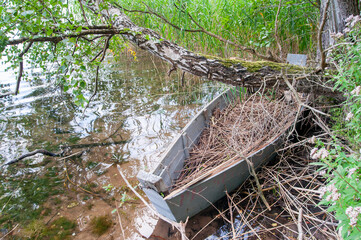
x=250, y=23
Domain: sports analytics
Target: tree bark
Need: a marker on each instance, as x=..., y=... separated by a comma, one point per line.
x=235, y=72
x=338, y=11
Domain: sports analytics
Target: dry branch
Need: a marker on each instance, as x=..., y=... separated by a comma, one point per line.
x=234, y=133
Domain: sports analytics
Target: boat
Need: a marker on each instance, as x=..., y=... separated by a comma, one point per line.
x=198, y=194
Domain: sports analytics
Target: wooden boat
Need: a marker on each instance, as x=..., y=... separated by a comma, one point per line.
x=198, y=194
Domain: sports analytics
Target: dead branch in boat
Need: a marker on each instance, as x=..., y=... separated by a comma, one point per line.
x=295, y=200
x=244, y=128
x=253, y=173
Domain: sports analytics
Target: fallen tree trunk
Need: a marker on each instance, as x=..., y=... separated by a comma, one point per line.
x=235, y=72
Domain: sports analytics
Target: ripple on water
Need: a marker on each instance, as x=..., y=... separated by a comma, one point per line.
x=134, y=102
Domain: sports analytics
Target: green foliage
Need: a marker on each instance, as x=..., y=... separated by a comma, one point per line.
x=250, y=23
x=342, y=164
x=68, y=62
x=100, y=224
x=71, y=62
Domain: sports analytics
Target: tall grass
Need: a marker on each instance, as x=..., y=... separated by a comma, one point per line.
x=250, y=23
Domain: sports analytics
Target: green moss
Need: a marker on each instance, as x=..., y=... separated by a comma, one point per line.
x=257, y=65
x=100, y=224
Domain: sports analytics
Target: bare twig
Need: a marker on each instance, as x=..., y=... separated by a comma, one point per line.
x=41, y=151
x=252, y=51
x=106, y=46
x=61, y=37
x=20, y=74
x=120, y=223
x=299, y=224
x=83, y=12
x=4, y=237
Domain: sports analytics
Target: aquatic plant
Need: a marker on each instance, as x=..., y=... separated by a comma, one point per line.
x=99, y=225
x=59, y=229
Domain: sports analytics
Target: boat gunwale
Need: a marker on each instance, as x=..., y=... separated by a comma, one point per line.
x=207, y=176
x=159, y=166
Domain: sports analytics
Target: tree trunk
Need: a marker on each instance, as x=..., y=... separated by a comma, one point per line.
x=338, y=11
x=235, y=72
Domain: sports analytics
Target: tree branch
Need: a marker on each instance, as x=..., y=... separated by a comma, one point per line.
x=252, y=51
x=106, y=46
x=83, y=12
x=41, y=151
x=21, y=66
x=201, y=30
x=59, y=38
x=64, y=150
x=320, y=30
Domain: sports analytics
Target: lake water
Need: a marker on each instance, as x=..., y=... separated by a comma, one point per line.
x=137, y=112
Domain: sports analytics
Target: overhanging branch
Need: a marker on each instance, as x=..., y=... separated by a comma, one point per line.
x=235, y=72
x=59, y=38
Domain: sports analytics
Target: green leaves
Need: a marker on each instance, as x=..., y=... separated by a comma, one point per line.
x=344, y=165
x=46, y=19
x=3, y=42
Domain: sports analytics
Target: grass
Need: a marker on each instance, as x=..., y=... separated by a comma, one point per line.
x=250, y=23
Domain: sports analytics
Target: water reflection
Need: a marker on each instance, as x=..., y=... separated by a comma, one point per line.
x=136, y=102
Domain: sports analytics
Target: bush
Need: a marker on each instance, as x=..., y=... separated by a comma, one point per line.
x=340, y=158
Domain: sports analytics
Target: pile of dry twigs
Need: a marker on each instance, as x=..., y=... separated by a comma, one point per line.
x=235, y=132
x=291, y=187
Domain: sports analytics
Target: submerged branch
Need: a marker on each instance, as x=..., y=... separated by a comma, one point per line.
x=64, y=148
x=41, y=151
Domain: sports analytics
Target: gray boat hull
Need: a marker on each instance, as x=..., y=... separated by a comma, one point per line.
x=192, y=199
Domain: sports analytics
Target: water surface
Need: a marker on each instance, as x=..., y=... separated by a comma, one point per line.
x=137, y=111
